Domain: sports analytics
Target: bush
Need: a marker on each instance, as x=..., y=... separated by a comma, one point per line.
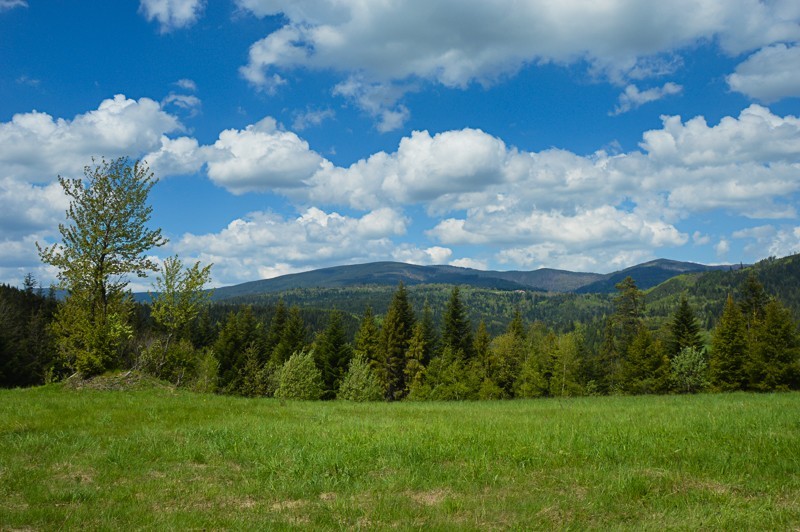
x=690, y=370
x=360, y=383
x=300, y=378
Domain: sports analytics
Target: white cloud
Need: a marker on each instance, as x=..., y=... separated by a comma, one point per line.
x=771, y=74
x=414, y=255
x=260, y=158
x=172, y=14
x=186, y=102
x=311, y=117
x=11, y=4
x=466, y=262
x=722, y=248
x=387, y=45
x=266, y=244
x=700, y=239
x=633, y=98
x=36, y=147
x=187, y=84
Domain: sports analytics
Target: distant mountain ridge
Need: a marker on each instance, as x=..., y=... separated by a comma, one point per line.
x=646, y=275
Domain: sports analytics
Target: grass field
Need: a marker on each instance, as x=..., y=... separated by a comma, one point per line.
x=160, y=458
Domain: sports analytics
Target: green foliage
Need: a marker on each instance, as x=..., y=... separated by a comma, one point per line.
x=293, y=337
x=300, y=378
x=179, y=295
x=103, y=242
x=333, y=354
x=395, y=337
x=729, y=350
x=690, y=370
x=26, y=344
x=774, y=362
x=449, y=378
x=684, y=331
x=206, y=373
x=646, y=369
x=360, y=383
x=457, y=329
x=240, y=332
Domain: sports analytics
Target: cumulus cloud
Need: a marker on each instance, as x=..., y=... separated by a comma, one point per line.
x=769, y=75
x=633, y=98
x=36, y=147
x=260, y=158
x=386, y=46
x=186, y=102
x=172, y=14
x=264, y=244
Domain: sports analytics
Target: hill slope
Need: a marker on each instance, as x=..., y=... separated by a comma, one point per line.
x=646, y=276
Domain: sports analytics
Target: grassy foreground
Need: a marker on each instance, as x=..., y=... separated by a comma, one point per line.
x=170, y=459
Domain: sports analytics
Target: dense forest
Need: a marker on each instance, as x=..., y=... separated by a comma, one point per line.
x=723, y=330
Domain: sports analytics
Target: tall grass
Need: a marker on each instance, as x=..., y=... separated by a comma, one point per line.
x=165, y=459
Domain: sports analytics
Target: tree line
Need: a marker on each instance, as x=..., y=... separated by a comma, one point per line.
x=428, y=354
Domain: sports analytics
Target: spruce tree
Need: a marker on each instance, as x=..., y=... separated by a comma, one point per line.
x=368, y=339
x=774, y=361
x=754, y=301
x=333, y=354
x=457, y=329
x=429, y=334
x=516, y=326
x=292, y=339
x=395, y=336
x=729, y=350
x=276, y=326
x=684, y=331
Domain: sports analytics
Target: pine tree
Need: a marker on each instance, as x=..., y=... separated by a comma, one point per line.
x=517, y=326
x=429, y=334
x=276, y=326
x=367, y=341
x=333, y=354
x=395, y=336
x=729, y=350
x=684, y=331
x=628, y=312
x=457, y=330
x=774, y=362
x=754, y=301
x=292, y=339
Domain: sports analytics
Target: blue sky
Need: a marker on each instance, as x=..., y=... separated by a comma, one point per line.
x=292, y=135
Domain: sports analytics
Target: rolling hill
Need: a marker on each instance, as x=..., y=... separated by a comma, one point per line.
x=646, y=275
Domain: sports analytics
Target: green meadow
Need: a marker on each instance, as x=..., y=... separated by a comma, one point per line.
x=157, y=458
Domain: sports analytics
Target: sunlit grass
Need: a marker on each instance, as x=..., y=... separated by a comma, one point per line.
x=164, y=459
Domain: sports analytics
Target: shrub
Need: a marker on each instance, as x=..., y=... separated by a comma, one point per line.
x=300, y=378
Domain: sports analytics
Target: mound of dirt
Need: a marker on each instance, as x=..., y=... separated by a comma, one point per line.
x=119, y=380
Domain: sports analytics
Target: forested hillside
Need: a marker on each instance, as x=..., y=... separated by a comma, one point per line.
x=734, y=329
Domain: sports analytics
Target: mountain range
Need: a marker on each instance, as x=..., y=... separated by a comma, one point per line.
x=646, y=275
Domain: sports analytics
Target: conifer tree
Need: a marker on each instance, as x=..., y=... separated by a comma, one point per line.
x=360, y=383
x=646, y=370
x=457, y=329
x=276, y=326
x=395, y=336
x=754, y=301
x=415, y=357
x=517, y=326
x=300, y=378
x=333, y=354
x=368, y=338
x=684, y=331
x=729, y=349
x=429, y=334
x=480, y=345
x=240, y=332
x=774, y=361
x=292, y=339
